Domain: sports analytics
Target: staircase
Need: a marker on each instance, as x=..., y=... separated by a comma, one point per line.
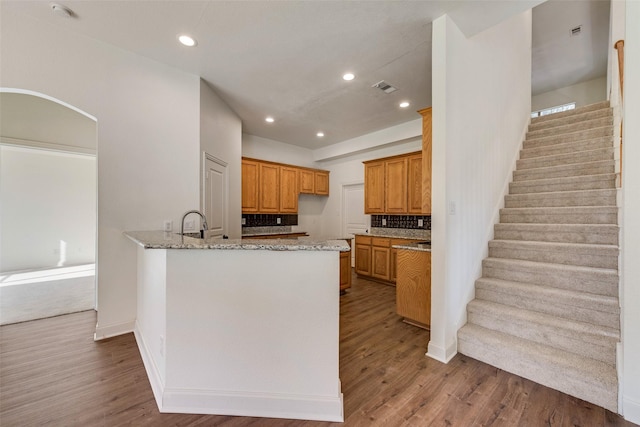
x=546, y=306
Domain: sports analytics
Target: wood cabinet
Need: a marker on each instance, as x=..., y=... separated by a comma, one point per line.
x=321, y=182
x=376, y=258
x=269, y=187
x=288, y=189
x=250, y=186
x=393, y=185
x=345, y=270
x=426, y=160
x=374, y=189
x=269, y=193
x=413, y=288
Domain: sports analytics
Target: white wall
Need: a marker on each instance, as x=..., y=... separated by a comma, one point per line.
x=631, y=223
x=48, y=202
x=582, y=94
x=148, y=140
x=480, y=114
x=221, y=137
x=276, y=151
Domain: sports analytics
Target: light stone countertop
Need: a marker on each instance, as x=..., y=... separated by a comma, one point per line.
x=172, y=240
x=399, y=233
x=413, y=247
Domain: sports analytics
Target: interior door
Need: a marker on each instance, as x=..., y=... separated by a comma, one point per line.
x=215, y=195
x=353, y=217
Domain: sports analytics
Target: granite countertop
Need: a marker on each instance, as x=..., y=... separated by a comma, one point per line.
x=171, y=240
x=413, y=247
x=400, y=233
x=272, y=233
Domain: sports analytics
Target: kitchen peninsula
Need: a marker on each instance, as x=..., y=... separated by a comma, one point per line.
x=240, y=327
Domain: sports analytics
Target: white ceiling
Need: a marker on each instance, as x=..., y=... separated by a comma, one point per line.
x=286, y=59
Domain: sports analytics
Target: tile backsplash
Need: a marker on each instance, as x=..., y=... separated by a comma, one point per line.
x=401, y=221
x=267, y=220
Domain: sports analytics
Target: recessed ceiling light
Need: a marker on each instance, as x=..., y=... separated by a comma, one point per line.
x=404, y=104
x=349, y=76
x=269, y=120
x=320, y=134
x=187, y=40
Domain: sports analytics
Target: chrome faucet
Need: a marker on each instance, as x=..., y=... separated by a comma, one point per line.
x=204, y=222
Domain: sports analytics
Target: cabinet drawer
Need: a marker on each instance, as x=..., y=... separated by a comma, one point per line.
x=381, y=241
x=363, y=240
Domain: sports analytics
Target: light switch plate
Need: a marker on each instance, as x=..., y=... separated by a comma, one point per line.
x=384, y=221
x=244, y=221
x=278, y=220
x=420, y=223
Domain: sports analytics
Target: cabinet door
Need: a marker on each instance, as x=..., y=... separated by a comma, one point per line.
x=250, y=185
x=413, y=289
x=426, y=160
x=374, y=187
x=321, y=183
x=345, y=270
x=269, y=194
x=307, y=181
x=380, y=262
x=363, y=259
x=288, y=189
x=396, y=186
x=414, y=184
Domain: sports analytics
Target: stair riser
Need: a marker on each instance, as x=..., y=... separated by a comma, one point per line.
x=575, y=147
x=595, y=218
x=576, y=118
x=601, y=316
x=602, y=284
x=604, y=105
x=556, y=257
x=565, y=171
x=570, y=341
x=570, y=128
x=528, y=187
x=558, y=237
x=519, y=364
x=514, y=201
x=566, y=159
x=569, y=137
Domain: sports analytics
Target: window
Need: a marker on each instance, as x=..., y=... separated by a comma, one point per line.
x=552, y=110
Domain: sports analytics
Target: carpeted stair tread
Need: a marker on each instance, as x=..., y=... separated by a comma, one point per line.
x=597, y=167
x=565, y=148
x=561, y=215
x=554, y=121
x=566, y=158
x=568, y=233
x=604, y=105
x=564, y=138
x=564, y=183
x=601, y=197
x=583, y=307
x=582, y=377
x=600, y=281
x=570, y=127
x=599, y=256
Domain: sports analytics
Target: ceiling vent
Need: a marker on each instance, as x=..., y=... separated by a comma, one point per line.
x=385, y=87
x=576, y=31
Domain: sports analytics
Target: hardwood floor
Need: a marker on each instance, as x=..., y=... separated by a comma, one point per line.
x=53, y=373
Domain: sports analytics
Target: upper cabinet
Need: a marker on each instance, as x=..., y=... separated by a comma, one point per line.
x=269, y=187
x=426, y=160
x=393, y=185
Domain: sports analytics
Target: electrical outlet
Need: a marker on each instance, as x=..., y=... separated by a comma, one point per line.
x=452, y=208
x=168, y=225
x=384, y=221
x=420, y=223
x=278, y=221
x=244, y=221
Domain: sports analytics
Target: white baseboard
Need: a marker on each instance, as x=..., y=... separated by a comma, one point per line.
x=155, y=379
x=441, y=354
x=271, y=405
x=103, y=332
x=631, y=410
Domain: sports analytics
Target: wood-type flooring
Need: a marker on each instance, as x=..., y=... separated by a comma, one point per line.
x=52, y=373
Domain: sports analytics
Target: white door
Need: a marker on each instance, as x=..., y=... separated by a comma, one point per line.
x=354, y=219
x=215, y=195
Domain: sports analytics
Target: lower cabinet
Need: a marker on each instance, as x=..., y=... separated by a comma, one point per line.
x=413, y=287
x=345, y=270
x=376, y=258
